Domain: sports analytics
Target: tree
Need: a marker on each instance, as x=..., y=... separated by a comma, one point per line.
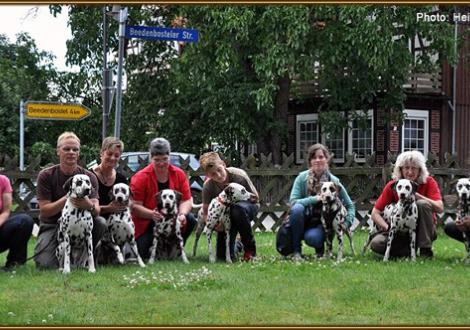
x=25, y=74
x=241, y=72
x=234, y=85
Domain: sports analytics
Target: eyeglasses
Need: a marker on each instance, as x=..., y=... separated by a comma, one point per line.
x=68, y=149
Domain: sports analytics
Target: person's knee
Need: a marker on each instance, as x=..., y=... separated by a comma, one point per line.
x=314, y=238
x=449, y=228
x=424, y=205
x=378, y=244
x=27, y=222
x=297, y=213
x=238, y=212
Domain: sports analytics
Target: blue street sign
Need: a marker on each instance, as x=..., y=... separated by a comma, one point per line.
x=159, y=33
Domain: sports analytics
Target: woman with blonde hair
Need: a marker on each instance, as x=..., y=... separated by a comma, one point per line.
x=410, y=165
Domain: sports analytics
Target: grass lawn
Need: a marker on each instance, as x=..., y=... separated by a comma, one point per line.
x=271, y=291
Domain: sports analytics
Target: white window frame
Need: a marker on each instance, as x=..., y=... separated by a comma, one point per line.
x=370, y=115
x=415, y=114
x=336, y=159
x=311, y=117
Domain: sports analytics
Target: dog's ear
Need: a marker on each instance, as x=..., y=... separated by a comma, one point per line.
x=337, y=187
x=253, y=198
x=229, y=192
x=178, y=196
x=67, y=184
x=158, y=197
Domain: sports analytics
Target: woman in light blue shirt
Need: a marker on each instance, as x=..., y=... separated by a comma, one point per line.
x=306, y=204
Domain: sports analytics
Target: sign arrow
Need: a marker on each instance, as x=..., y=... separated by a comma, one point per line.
x=56, y=111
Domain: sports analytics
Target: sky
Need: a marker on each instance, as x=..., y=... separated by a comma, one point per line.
x=50, y=33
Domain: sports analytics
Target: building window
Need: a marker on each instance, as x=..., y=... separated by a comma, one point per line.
x=360, y=138
x=307, y=134
x=335, y=144
x=415, y=131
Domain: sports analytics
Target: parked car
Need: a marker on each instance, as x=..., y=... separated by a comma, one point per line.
x=135, y=158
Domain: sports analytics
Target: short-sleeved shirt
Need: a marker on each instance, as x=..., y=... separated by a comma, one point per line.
x=211, y=189
x=430, y=189
x=5, y=187
x=50, y=187
x=144, y=187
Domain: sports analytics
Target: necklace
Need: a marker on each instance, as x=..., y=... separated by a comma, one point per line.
x=108, y=179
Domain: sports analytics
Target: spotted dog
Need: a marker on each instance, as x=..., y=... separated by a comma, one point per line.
x=333, y=219
x=219, y=213
x=167, y=204
x=463, y=192
x=121, y=228
x=75, y=226
x=403, y=215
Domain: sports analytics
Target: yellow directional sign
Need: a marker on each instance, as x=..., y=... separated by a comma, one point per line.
x=56, y=111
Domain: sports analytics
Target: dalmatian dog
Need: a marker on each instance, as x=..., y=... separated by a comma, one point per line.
x=75, y=226
x=219, y=213
x=167, y=204
x=403, y=215
x=333, y=219
x=463, y=192
x=121, y=228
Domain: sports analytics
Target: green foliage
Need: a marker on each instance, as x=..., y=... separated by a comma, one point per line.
x=43, y=149
x=233, y=86
x=25, y=73
x=271, y=291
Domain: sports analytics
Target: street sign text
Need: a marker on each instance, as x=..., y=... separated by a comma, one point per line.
x=56, y=111
x=160, y=33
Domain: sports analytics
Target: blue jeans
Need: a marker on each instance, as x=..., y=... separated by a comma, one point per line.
x=313, y=235
x=14, y=236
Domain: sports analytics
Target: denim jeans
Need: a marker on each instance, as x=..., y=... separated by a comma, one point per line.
x=304, y=227
x=14, y=236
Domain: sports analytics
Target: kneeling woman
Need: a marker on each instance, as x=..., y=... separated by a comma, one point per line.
x=306, y=204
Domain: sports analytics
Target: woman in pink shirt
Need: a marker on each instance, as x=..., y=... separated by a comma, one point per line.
x=15, y=230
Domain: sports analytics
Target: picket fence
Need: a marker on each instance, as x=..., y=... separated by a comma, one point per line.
x=364, y=182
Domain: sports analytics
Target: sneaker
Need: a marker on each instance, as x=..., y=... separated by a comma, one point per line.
x=426, y=253
x=297, y=257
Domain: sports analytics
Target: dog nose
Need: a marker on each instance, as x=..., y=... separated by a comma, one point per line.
x=119, y=199
x=87, y=191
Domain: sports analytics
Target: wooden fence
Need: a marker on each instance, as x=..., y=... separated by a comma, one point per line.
x=363, y=181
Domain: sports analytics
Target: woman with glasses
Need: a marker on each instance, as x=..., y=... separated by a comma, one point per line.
x=145, y=184
x=410, y=165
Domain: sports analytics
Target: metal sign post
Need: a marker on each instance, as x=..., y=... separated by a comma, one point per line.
x=122, y=30
x=22, y=135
